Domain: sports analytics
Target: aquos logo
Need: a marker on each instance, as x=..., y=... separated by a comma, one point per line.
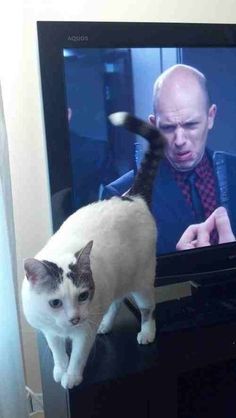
x=78, y=38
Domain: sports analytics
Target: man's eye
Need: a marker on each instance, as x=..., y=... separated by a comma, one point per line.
x=190, y=125
x=55, y=303
x=83, y=296
x=167, y=128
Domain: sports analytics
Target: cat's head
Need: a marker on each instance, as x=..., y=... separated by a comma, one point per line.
x=62, y=292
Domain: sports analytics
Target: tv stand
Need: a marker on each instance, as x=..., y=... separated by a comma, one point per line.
x=123, y=378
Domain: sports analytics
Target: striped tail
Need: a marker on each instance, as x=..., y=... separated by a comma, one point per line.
x=144, y=179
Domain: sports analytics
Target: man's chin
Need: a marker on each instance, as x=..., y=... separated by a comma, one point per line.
x=183, y=166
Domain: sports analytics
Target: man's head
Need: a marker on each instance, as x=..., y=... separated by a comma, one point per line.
x=183, y=113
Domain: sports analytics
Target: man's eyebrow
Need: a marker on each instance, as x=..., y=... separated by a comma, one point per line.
x=163, y=124
x=173, y=124
x=192, y=120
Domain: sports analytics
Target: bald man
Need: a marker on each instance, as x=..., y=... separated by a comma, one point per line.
x=192, y=181
x=183, y=115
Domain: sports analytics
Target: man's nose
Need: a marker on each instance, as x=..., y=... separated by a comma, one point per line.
x=179, y=136
x=75, y=320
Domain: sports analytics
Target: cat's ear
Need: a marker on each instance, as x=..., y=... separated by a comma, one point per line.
x=82, y=269
x=34, y=270
x=82, y=256
x=85, y=251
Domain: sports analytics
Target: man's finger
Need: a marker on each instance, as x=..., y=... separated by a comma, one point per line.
x=186, y=240
x=210, y=222
x=223, y=226
x=204, y=231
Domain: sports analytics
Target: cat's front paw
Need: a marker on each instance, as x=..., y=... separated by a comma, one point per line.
x=58, y=372
x=69, y=380
x=145, y=337
x=147, y=334
x=104, y=327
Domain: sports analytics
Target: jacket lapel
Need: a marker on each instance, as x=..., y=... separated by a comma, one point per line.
x=168, y=196
x=170, y=209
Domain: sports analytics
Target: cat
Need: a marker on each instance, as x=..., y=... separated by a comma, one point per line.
x=74, y=286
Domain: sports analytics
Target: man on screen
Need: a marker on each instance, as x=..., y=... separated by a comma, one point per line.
x=192, y=181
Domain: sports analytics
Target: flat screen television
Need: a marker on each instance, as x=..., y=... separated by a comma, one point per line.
x=92, y=69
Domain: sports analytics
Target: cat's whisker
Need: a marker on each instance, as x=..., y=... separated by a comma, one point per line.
x=90, y=321
x=98, y=313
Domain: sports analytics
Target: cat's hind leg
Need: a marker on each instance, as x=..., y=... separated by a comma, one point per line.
x=108, y=319
x=146, y=303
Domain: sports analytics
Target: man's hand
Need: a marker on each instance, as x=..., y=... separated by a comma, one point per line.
x=198, y=235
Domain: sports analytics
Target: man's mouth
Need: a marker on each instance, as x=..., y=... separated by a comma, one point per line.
x=183, y=156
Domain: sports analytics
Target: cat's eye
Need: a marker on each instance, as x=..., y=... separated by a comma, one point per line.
x=55, y=303
x=83, y=296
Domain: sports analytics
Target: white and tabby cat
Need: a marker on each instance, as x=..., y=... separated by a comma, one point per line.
x=103, y=252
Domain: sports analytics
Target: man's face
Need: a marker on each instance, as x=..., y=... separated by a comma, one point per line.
x=184, y=119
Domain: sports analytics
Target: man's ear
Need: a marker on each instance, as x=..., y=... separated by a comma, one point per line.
x=211, y=116
x=152, y=120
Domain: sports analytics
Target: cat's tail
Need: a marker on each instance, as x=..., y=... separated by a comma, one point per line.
x=144, y=179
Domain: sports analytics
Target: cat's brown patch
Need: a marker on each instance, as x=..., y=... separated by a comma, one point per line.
x=80, y=272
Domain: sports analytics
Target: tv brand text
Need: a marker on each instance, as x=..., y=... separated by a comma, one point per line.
x=78, y=38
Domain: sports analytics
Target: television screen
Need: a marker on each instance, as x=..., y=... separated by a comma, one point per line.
x=179, y=77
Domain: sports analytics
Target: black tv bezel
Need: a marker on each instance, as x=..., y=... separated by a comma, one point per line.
x=203, y=263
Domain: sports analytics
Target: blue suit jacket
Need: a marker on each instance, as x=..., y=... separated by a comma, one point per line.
x=169, y=207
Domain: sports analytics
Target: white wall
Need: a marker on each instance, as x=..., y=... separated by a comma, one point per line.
x=19, y=73
x=12, y=393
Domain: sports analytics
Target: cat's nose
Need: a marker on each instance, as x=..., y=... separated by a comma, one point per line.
x=75, y=320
